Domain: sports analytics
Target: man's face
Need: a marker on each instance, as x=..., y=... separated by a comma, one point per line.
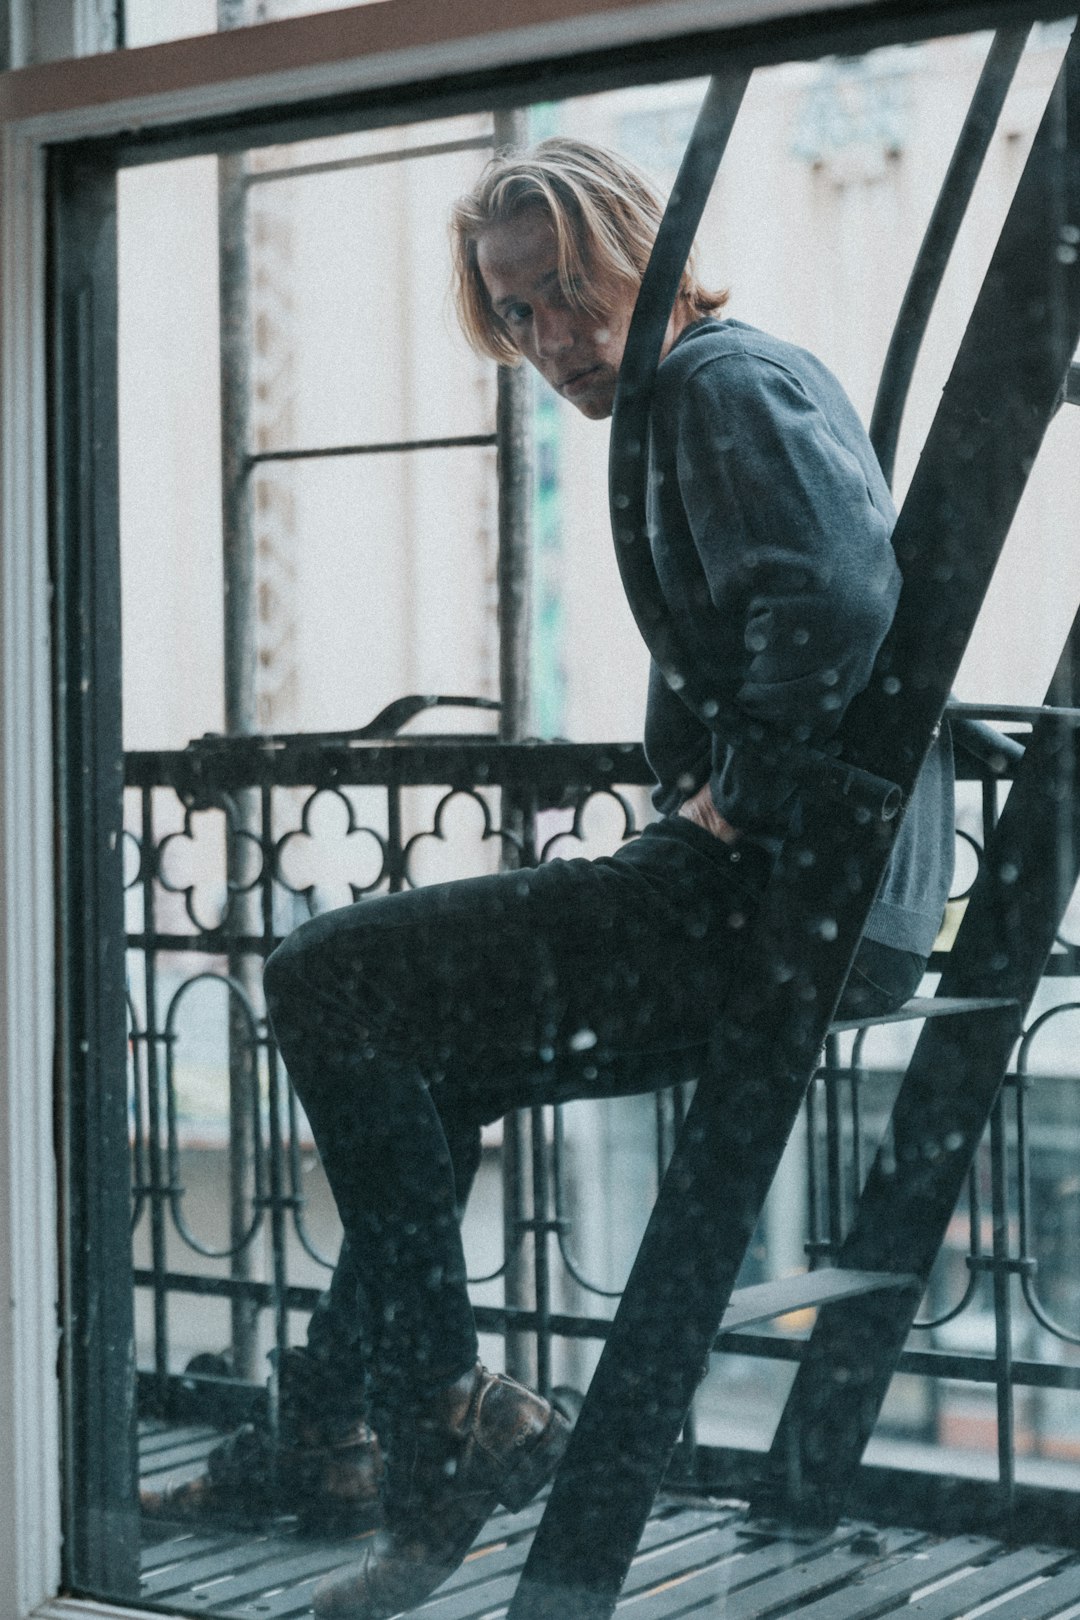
x=577, y=353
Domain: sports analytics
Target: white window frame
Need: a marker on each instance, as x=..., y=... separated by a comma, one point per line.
x=272, y=65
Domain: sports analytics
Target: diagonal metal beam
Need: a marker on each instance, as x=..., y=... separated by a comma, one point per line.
x=1030, y=867
x=937, y=244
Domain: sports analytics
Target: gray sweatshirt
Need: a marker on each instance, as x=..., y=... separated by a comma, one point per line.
x=770, y=524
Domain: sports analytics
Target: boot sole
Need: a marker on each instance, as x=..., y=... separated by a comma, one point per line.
x=536, y=1466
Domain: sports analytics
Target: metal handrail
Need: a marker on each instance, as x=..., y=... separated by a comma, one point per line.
x=628, y=460
x=628, y=471
x=940, y=238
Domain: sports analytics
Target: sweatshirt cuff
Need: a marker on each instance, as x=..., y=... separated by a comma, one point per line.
x=754, y=794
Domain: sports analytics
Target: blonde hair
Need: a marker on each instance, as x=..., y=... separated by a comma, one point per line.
x=605, y=214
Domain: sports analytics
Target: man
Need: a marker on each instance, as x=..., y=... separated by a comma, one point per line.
x=409, y=1020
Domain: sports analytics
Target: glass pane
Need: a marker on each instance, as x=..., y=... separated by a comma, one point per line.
x=342, y=348
x=310, y=538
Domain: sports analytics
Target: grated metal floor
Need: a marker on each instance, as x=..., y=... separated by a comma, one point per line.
x=700, y=1556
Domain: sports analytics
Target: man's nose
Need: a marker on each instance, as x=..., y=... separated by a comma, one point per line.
x=554, y=333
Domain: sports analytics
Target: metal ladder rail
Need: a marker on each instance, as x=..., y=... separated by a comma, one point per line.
x=939, y=239
x=941, y=1112
x=766, y=1046
x=1025, y=882
x=928, y=272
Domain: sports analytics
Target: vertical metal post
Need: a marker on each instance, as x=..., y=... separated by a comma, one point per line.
x=816, y=1247
x=239, y=654
x=1066, y=680
x=834, y=1157
x=541, y=1222
x=101, y=1544
x=159, y=1179
x=1002, y=1284
x=513, y=428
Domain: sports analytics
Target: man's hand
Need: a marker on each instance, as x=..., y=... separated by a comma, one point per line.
x=700, y=809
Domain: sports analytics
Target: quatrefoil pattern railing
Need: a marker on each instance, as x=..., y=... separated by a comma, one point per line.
x=230, y=845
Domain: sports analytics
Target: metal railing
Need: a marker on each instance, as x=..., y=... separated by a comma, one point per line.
x=1003, y=1316
x=188, y=929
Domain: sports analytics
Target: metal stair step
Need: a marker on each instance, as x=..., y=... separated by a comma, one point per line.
x=926, y=1007
x=763, y=1301
x=1013, y=713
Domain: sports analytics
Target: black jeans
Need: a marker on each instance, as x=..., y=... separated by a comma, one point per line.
x=408, y=1021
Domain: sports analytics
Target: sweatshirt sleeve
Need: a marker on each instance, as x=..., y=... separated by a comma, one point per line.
x=789, y=537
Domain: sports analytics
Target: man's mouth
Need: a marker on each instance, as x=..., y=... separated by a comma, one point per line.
x=570, y=384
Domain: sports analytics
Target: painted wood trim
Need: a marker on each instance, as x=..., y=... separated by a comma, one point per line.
x=382, y=43
x=29, y=1266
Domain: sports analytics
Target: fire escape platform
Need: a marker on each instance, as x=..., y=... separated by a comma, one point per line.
x=698, y=1555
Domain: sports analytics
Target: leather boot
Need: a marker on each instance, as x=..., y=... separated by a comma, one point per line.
x=481, y=1441
x=323, y=1467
